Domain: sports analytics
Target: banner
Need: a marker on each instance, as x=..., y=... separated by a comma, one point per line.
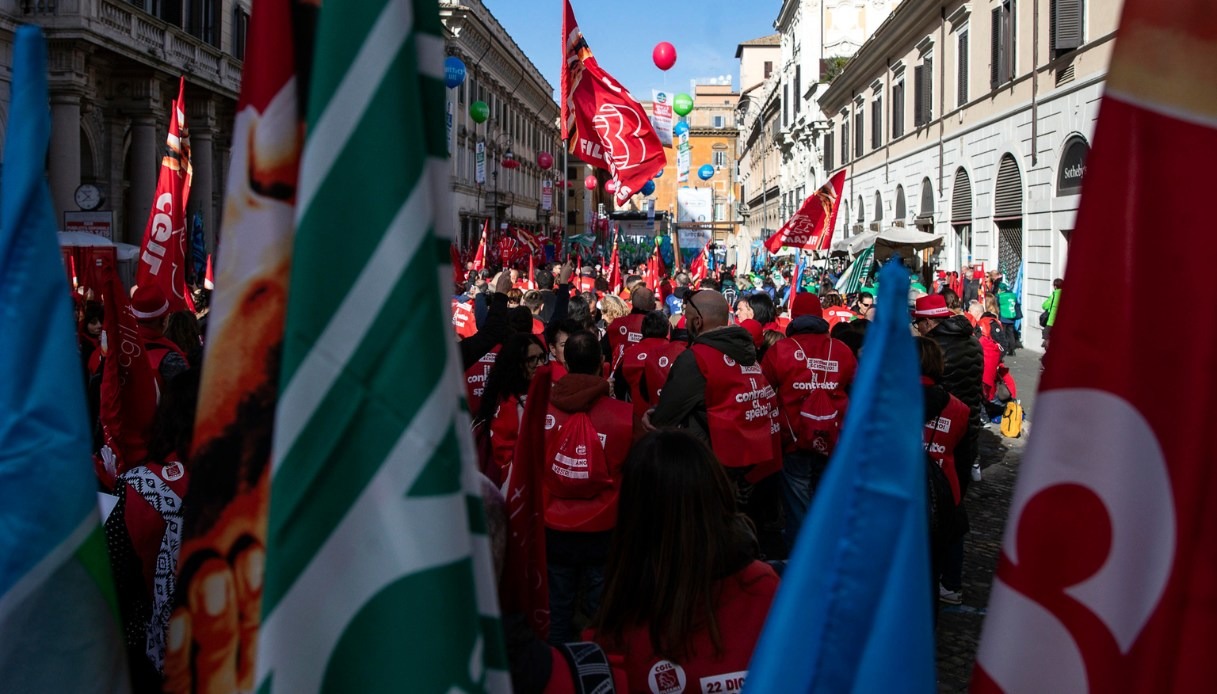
x=603, y=124
x=684, y=158
x=694, y=206
x=162, y=257
x=662, y=116
x=547, y=195
x=479, y=159
x=449, y=118
x=811, y=227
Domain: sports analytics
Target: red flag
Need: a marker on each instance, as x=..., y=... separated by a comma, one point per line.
x=811, y=227
x=603, y=124
x=614, y=272
x=1107, y=579
x=162, y=258
x=525, y=585
x=208, y=278
x=698, y=268
x=128, y=386
x=532, y=272
x=479, y=258
x=458, y=268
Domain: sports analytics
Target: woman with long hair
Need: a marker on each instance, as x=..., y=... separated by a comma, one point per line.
x=684, y=595
x=182, y=327
x=763, y=310
x=503, y=398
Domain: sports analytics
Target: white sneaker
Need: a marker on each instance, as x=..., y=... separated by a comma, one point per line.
x=976, y=476
x=949, y=597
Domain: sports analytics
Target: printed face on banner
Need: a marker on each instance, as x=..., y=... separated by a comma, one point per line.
x=479, y=157
x=662, y=116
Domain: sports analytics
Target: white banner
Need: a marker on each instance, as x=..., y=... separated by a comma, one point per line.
x=661, y=116
x=479, y=158
x=694, y=206
x=547, y=195
x=694, y=238
x=650, y=207
x=684, y=158
x=449, y=117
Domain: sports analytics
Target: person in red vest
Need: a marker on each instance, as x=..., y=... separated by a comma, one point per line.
x=717, y=391
x=807, y=359
x=835, y=310
x=946, y=422
x=581, y=484
x=659, y=363
x=685, y=598
x=587, y=280
x=631, y=375
x=628, y=330
x=151, y=310
x=504, y=396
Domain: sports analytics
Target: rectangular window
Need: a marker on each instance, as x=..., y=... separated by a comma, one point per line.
x=798, y=92
x=768, y=68
x=719, y=121
x=845, y=140
x=923, y=85
x=962, y=87
x=720, y=158
x=785, y=105
x=1002, y=55
x=1065, y=26
x=876, y=123
x=859, y=131
x=240, y=30
x=898, y=110
x=829, y=152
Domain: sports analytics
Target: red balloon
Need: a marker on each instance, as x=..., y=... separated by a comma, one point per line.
x=545, y=160
x=664, y=55
x=610, y=186
x=590, y=182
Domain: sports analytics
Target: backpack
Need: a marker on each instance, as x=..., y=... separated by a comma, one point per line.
x=577, y=465
x=821, y=416
x=1012, y=420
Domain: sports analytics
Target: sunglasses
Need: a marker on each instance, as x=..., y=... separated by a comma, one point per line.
x=537, y=360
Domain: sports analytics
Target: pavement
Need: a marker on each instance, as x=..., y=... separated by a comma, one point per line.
x=988, y=504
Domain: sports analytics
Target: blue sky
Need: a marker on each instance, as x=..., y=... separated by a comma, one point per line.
x=622, y=34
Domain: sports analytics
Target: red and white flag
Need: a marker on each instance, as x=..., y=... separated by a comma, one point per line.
x=811, y=227
x=128, y=385
x=1107, y=579
x=162, y=257
x=479, y=258
x=614, y=271
x=699, y=267
x=209, y=280
x=603, y=125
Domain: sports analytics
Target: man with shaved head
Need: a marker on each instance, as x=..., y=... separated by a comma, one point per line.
x=627, y=330
x=717, y=391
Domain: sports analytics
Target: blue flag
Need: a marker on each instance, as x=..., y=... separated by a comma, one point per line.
x=854, y=612
x=58, y=625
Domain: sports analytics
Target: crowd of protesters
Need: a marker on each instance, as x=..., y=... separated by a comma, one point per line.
x=688, y=426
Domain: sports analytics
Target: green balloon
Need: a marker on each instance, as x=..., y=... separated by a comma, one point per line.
x=682, y=104
x=479, y=111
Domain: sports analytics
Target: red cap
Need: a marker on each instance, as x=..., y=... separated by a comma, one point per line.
x=805, y=304
x=932, y=306
x=148, y=302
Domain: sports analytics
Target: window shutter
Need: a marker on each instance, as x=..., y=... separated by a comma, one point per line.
x=963, y=69
x=918, y=92
x=859, y=132
x=901, y=210
x=845, y=142
x=798, y=92
x=995, y=56
x=1011, y=39
x=878, y=207
x=876, y=125
x=1068, y=20
x=1008, y=201
x=829, y=152
x=927, y=83
x=898, y=110
x=961, y=198
x=785, y=105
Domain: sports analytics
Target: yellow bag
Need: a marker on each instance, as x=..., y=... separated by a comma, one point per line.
x=1012, y=420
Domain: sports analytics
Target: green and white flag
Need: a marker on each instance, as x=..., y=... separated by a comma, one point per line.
x=378, y=571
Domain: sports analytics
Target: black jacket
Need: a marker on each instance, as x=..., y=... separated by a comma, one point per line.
x=807, y=325
x=965, y=363
x=683, y=401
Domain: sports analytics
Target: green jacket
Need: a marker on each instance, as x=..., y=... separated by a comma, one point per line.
x=1050, y=305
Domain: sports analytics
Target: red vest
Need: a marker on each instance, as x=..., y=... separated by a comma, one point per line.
x=157, y=347
x=504, y=431
x=623, y=332
x=741, y=409
x=942, y=434
x=463, y=319
x=612, y=421
x=633, y=367
x=788, y=366
x=586, y=284
x=741, y=603
x=658, y=365
x=476, y=376
x=838, y=314
x=538, y=328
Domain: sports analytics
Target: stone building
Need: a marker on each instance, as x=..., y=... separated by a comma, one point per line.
x=114, y=68
x=972, y=121
x=758, y=113
x=523, y=123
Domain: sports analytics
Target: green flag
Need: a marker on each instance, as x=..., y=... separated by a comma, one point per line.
x=378, y=571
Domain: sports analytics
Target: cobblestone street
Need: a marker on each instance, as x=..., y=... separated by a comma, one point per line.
x=988, y=502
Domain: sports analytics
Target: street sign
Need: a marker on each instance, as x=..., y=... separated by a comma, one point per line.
x=100, y=223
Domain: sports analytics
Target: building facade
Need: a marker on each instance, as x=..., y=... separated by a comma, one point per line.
x=972, y=121
x=114, y=69
x=817, y=36
x=758, y=115
x=523, y=123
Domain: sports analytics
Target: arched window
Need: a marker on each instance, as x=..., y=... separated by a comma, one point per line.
x=878, y=207
x=1008, y=216
x=901, y=212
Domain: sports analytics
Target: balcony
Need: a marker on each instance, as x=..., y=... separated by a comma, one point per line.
x=131, y=32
